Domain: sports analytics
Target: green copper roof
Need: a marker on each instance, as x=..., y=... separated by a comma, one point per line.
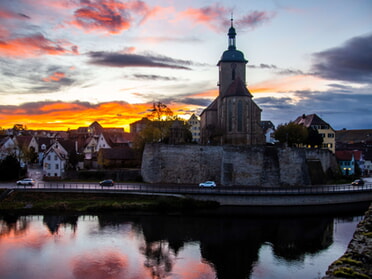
x=233, y=56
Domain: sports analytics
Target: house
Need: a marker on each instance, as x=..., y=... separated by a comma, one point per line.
x=116, y=157
x=194, y=123
x=322, y=127
x=138, y=126
x=55, y=161
x=268, y=129
x=44, y=144
x=348, y=160
x=8, y=146
x=29, y=148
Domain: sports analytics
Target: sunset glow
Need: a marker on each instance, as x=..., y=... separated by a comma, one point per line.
x=65, y=64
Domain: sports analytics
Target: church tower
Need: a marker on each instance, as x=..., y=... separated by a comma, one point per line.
x=233, y=117
x=232, y=63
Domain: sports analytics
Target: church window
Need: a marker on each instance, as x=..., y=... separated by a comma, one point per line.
x=240, y=116
x=229, y=115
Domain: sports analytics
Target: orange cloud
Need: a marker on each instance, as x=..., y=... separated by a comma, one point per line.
x=213, y=93
x=286, y=84
x=207, y=15
x=64, y=116
x=56, y=76
x=110, y=16
x=35, y=45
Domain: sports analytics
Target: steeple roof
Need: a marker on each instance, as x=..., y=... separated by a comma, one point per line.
x=232, y=54
x=237, y=88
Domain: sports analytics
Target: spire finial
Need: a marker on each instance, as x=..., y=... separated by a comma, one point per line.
x=232, y=19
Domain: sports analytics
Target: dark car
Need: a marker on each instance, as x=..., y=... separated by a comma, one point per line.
x=358, y=182
x=107, y=182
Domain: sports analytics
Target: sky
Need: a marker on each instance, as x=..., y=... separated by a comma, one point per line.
x=67, y=63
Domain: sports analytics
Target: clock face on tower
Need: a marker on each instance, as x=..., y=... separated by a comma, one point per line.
x=233, y=66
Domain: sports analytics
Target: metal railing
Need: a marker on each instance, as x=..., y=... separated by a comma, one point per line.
x=194, y=189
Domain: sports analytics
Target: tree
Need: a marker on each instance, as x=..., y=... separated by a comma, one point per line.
x=160, y=111
x=9, y=168
x=292, y=134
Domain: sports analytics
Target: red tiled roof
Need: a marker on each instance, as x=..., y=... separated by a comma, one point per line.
x=346, y=155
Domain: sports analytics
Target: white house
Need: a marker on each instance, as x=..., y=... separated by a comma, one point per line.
x=55, y=161
x=103, y=142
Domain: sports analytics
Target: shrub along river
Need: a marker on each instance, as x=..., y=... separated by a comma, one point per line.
x=222, y=246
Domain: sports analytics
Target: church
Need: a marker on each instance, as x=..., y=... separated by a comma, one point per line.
x=233, y=117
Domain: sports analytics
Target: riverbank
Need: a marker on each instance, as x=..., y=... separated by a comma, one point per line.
x=46, y=202
x=357, y=260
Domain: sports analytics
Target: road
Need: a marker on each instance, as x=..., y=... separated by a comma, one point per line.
x=181, y=189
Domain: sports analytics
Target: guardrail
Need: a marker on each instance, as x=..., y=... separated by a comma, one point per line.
x=193, y=189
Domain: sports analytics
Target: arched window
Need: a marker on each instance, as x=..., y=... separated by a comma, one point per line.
x=240, y=116
x=229, y=115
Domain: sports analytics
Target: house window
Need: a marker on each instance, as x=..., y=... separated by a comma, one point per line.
x=57, y=166
x=48, y=157
x=331, y=135
x=55, y=157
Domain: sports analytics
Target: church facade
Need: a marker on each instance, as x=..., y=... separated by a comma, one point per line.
x=233, y=117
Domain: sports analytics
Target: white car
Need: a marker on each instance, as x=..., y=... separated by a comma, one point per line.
x=26, y=181
x=208, y=184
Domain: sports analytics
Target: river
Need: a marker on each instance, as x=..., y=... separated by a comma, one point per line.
x=175, y=247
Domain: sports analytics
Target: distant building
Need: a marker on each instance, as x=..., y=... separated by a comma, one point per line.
x=194, y=123
x=347, y=161
x=360, y=140
x=268, y=129
x=8, y=146
x=233, y=117
x=323, y=128
x=55, y=161
x=117, y=157
x=138, y=126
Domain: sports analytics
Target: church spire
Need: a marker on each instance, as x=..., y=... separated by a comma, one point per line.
x=232, y=34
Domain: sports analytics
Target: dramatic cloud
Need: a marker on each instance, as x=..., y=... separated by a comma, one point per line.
x=254, y=19
x=35, y=45
x=209, y=15
x=56, y=76
x=153, y=77
x=215, y=17
x=262, y=66
x=10, y=14
x=340, y=107
x=351, y=62
x=114, y=59
x=108, y=15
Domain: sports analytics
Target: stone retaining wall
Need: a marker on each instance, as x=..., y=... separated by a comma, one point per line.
x=357, y=260
x=233, y=165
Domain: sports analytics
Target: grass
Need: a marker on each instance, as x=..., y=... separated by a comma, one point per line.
x=39, y=202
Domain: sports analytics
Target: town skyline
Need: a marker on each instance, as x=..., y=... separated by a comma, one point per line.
x=65, y=64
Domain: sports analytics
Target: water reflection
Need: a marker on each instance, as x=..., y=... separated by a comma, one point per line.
x=179, y=247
